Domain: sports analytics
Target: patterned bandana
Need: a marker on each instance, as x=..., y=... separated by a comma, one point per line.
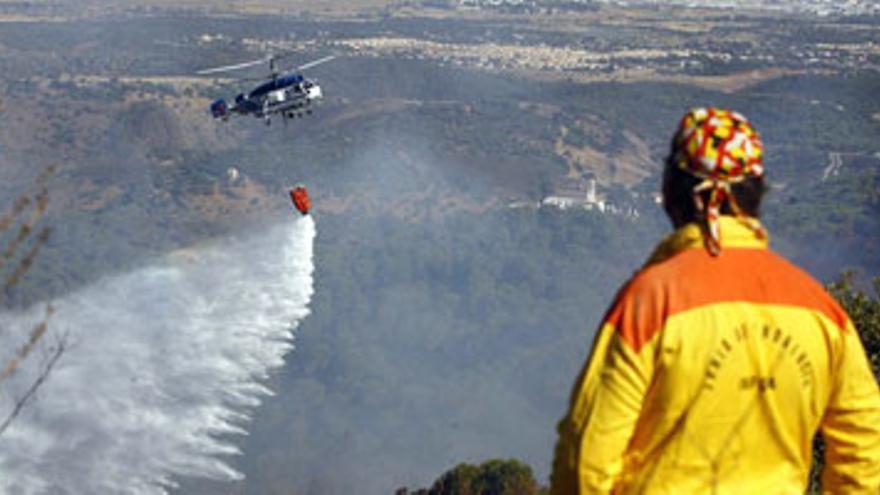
x=722, y=148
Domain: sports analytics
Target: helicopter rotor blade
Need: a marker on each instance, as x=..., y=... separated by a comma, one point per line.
x=250, y=79
x=226, y=68
x=315, y=62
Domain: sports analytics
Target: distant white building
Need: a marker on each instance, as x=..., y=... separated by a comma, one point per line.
x=590, y=200
x=561, y=202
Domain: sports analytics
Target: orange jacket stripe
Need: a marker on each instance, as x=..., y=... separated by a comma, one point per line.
x=690, y=280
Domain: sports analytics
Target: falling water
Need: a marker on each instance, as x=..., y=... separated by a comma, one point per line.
x=163, y=365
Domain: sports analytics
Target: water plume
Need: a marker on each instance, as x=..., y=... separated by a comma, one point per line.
x=163, y=365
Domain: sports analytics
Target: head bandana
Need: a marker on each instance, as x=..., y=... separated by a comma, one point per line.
x=722, y=148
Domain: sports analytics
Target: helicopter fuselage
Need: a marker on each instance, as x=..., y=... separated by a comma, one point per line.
x=286, y=95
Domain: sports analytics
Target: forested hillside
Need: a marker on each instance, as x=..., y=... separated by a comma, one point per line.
x=420, y=332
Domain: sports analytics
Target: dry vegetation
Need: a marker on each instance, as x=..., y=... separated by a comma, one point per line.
x=22, y=239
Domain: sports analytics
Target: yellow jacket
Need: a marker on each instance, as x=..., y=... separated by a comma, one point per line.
x=710, y=375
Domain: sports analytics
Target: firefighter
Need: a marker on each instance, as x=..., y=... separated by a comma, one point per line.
x=719, y=360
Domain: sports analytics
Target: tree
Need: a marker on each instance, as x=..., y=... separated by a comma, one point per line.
x=493, y=477
x=864, y=310
x=21, y=239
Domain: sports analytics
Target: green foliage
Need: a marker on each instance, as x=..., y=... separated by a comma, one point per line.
x=493, y=477
x=864, y=310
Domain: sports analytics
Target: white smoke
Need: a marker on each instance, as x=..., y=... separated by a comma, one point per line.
x=164, y=364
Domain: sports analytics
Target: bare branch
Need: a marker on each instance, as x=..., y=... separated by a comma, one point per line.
x=25, y=264
x=35, y=335
x=44, y=374
x=24, y=230
x=13, y=266
x=18, y=206
x=24, y=200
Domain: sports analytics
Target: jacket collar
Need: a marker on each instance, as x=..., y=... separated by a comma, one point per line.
x=735, y=233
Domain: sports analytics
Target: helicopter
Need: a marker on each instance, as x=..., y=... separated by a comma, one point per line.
x=286, y=93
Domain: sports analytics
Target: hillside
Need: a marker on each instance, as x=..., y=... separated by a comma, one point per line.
x=450, y=312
